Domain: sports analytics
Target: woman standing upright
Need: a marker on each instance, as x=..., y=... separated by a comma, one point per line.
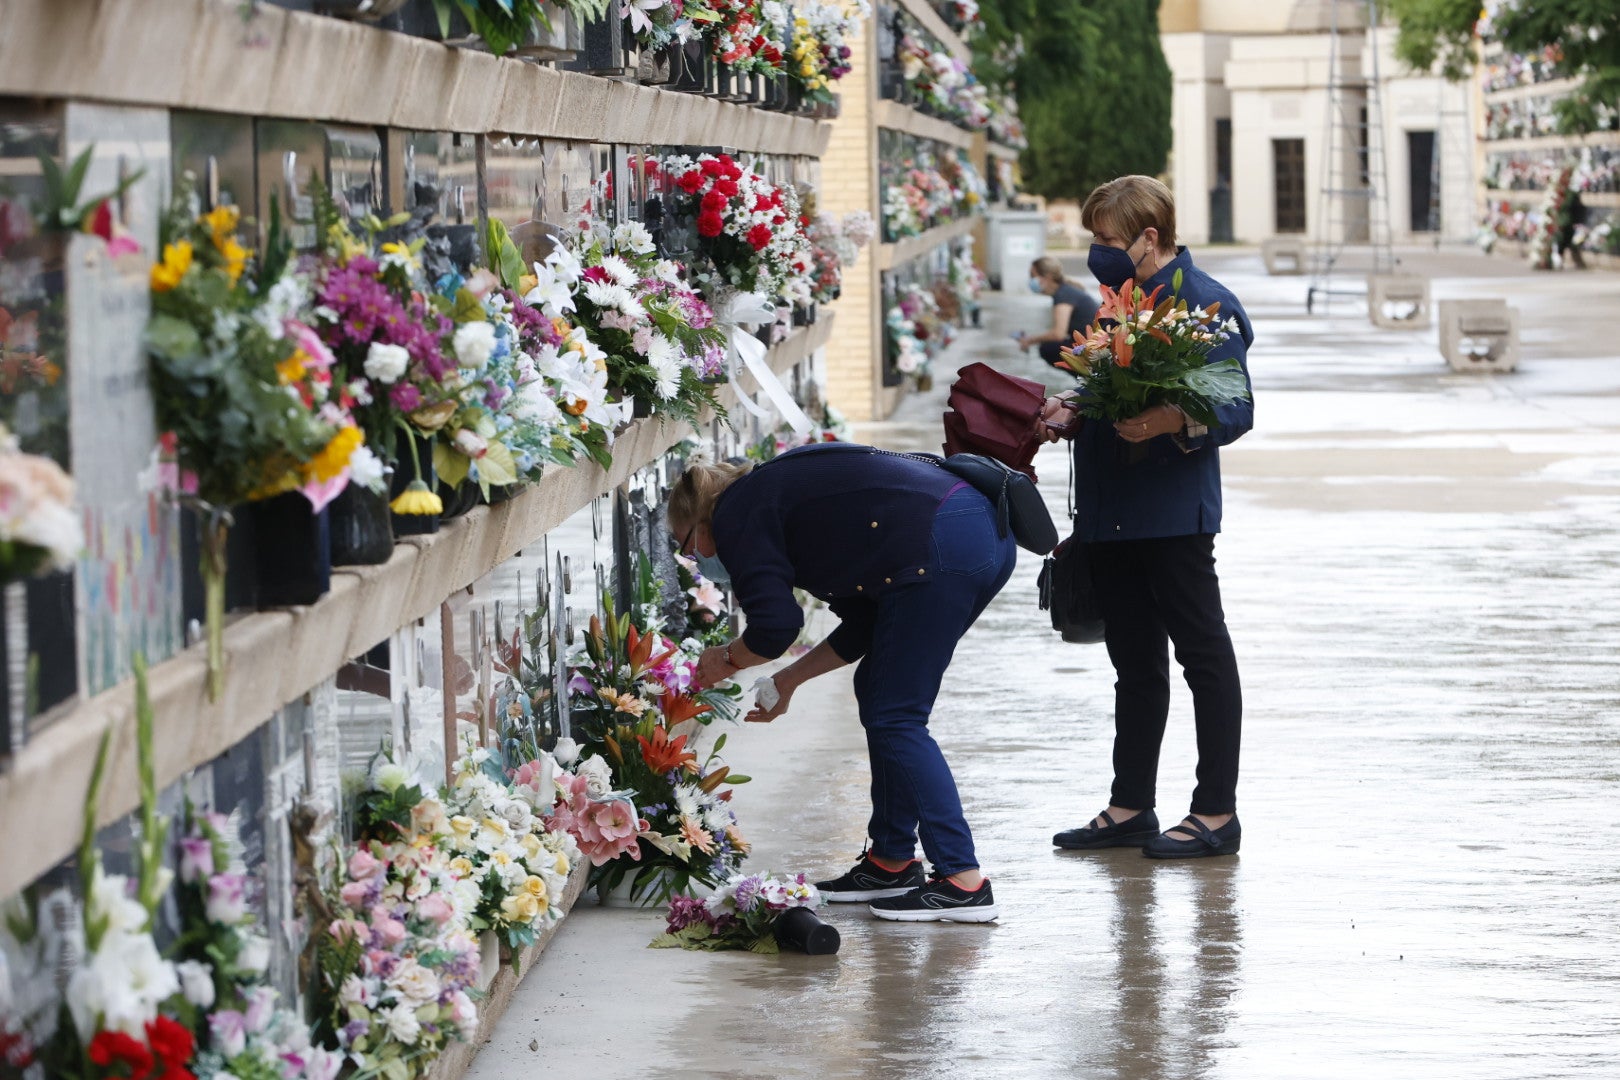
x=1148, y=523
x=907, y=556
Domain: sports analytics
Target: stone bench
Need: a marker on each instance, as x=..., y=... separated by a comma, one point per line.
x=1283, y=254
x=1398, y=301
x=1479, y=335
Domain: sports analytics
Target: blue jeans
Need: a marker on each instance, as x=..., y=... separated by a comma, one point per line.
x=916, y=631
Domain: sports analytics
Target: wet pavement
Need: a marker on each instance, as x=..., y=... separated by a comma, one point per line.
x=1422, y=577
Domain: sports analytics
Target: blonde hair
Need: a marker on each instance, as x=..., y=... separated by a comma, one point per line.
x=692, y=499
x=1128, y=206
x=1046, y=266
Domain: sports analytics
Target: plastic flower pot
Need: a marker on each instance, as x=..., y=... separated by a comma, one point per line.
x=691, y=67
x=294, y=550
x=459, y=500
x=361, y=532
x=657, y=67
x=802, y=930
x=38, y=655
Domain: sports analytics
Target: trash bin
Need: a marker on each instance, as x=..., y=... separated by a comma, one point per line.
x=1015, y=238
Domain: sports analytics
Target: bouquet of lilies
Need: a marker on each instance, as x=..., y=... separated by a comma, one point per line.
x=1144, y=351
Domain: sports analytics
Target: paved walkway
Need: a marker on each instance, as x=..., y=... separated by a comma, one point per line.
x=1422, y=575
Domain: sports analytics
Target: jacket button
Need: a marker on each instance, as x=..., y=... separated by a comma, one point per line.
x=920, y=573
x=860, y=588
x=1116, y=528
x=874, y=524
x=888, y=581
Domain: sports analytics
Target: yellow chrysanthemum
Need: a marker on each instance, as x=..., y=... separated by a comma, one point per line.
x=416, y=500
x=222, y=222
x=334, y=458
x=292, y=369
x=235, y=257
x=166, y=275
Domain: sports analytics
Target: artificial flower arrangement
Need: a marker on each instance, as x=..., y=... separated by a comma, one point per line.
x=743, y=912
x=746, y=37
x=244, y=389
x=658, y=24
x=657, y=333
x=968, y=188
x=241, y=1028
x=117, y=1017
x=39, y=528
x=502, y=841
x=939, y=82
x=917, y=331
x=917, y=196
x=397, y=962
x=835, y=243
x=633, y=703
x=820, y=49
x=748, y=228
x=1143, y=351
x=23, y=366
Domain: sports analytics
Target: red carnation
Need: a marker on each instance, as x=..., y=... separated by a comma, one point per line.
x=110, y=1048
x=778, y=220
x=596, y=274
x=728, y=188
x=714, y=202
x=759, y=236
x=173, y=1045
x=733, y=173
x=710, y=168
x=710, y=224
x=690, y=182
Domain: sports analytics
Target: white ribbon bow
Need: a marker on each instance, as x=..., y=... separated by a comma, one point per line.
x=739, y=313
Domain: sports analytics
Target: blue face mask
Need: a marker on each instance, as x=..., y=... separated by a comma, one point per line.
x=1113, y=266
x=1035, y=285
x=712, y=568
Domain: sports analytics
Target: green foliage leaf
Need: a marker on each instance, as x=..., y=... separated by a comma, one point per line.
x=451, y=466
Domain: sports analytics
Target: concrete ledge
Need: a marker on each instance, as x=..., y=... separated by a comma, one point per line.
x=273, y=657
x=894, y=116
x=892, y=255
x=205, y=54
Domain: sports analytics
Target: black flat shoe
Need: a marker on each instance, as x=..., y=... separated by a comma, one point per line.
x=1205, y=842
x=1132, y=832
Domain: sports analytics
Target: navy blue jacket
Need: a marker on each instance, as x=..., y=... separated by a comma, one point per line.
x=844, y=522
x=1176, y=490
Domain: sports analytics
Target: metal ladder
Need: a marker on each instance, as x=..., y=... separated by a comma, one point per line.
x=1352, y=235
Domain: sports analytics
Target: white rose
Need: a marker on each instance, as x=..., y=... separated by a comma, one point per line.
x=196, y=983
x=415, y=984
x=353, y=994
x=255, y=954
x=598, y=776
x=473, y=343
x=386, y=363
x=366, y=469
x=566, y=751
x=516, y=813
x=402, y=1023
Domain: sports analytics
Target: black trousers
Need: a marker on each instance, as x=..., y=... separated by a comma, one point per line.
x=1153, y=593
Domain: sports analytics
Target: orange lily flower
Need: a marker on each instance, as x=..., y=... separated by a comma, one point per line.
x=678, y=708
x=661, y=753
x=1123, y=350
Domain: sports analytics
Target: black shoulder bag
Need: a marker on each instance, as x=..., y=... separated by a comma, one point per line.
x=1018, y=502
x=1066, y=587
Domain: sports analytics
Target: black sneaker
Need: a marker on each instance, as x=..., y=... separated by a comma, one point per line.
x=940, y=900
x=869, y=881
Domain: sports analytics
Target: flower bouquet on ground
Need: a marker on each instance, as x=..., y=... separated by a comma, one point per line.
x=243, y=389
x=633, y=703
x=755, y=912
x=1143, y=351
x=39, y=529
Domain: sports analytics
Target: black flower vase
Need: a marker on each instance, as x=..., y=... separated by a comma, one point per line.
x=801, y=930
x=241, y=556
x=361, y=532
x=404, y=473
x=294, y=550
x=458, y=500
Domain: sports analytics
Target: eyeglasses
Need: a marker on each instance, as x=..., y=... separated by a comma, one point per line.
x=686, y=545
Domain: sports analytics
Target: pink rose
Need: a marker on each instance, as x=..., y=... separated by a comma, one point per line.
x=392, y=931
x=435, y=907
x=344, y=929
x=354, y=894
x=363, y=864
